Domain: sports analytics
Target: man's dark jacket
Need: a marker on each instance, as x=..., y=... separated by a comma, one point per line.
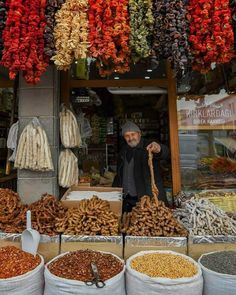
x=141, y=169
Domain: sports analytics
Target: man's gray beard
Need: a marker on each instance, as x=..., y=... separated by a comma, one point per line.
x=132, y=143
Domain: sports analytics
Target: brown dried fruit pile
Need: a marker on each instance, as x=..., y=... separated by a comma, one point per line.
x=44, y=213
x=15, y=262
x=77, y=265
x=152, y=218
x=92, y=217
x=12, y=212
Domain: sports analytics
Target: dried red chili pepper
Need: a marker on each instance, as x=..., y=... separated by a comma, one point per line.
x=109, y=35
x=23, y=39
x=211, y=34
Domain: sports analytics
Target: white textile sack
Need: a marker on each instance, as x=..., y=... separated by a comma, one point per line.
x=216, y=283
x=12, y=140
x=31, y=283
x=139, y=284
x=59, y=286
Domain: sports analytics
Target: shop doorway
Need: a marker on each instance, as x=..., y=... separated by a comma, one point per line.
x=166, y=83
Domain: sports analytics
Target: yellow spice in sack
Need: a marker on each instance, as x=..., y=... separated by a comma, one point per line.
x=164, y=266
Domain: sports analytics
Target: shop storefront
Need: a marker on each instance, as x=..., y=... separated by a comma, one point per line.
x=94, y=65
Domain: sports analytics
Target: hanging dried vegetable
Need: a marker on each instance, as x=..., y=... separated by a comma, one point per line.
x=109, y=35
x=52, y=7
x=211, y=35
x=3, y=12
x=23, y=39
x=71, y=33
x=170, y=36
x=141, y=25
x=233, y=13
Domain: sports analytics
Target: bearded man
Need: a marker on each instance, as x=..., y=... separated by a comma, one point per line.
x=133, y=172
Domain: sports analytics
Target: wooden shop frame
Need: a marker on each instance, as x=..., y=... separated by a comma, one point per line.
x=169, y=83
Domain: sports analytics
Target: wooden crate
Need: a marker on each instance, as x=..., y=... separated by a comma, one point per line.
x=134, y=244
x=113, y=244
x=76, y=193
x=49, y=247
x=198, y=245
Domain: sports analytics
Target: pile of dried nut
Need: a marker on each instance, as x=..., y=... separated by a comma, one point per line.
x=77, y=265
x=92, y=217
x=151, y=218
x=164, y=265
x=15, y=262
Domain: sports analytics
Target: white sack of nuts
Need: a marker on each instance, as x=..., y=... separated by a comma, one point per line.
x=201, y=217
x=69, y=129
x=33, y=151
x=68, y=168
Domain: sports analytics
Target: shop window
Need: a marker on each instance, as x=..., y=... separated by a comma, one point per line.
x=86, y=70
x=207, y=138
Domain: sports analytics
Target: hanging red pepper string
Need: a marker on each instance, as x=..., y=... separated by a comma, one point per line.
x=23, y=39
x=109, y=35
x=211, y=34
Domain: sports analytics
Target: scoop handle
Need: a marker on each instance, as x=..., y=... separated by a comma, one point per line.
x=28, y=219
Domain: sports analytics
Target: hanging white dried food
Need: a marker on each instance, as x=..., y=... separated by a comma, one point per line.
x=68, y=168
x=69, y=129
x=33, y=151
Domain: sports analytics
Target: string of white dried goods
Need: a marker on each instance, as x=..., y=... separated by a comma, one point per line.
x=201, y=217
x=69, y=129
x=33, y=151
x=68, y=168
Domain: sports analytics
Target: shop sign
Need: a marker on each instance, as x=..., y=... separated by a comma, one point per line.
x=219, y=114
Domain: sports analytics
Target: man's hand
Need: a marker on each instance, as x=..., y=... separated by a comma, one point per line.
x=154, y=147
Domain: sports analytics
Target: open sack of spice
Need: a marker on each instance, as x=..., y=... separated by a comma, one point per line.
x=74, y=273
x=69, y=129
x=219, y=272
x=163, y=272
x=33, y=151
x=20, y=272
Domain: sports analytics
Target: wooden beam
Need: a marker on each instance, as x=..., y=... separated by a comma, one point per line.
x=118, y=83
x=65, y=87
x=6, y=83
x=173, y=126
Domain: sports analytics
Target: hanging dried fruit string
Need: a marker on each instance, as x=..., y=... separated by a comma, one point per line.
x=3, y=12
x=211, y=35
x=71, y=33
x=51, y=9
x=23, y=39
x=141, y=24
x=109, y=35
x=170, y=37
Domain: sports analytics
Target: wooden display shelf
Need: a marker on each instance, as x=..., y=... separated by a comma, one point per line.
x=8, y=177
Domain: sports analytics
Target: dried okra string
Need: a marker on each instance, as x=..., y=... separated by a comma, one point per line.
x=77, y=265
x=164, y=265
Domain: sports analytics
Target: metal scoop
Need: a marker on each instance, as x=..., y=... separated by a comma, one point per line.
x=30, y=238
